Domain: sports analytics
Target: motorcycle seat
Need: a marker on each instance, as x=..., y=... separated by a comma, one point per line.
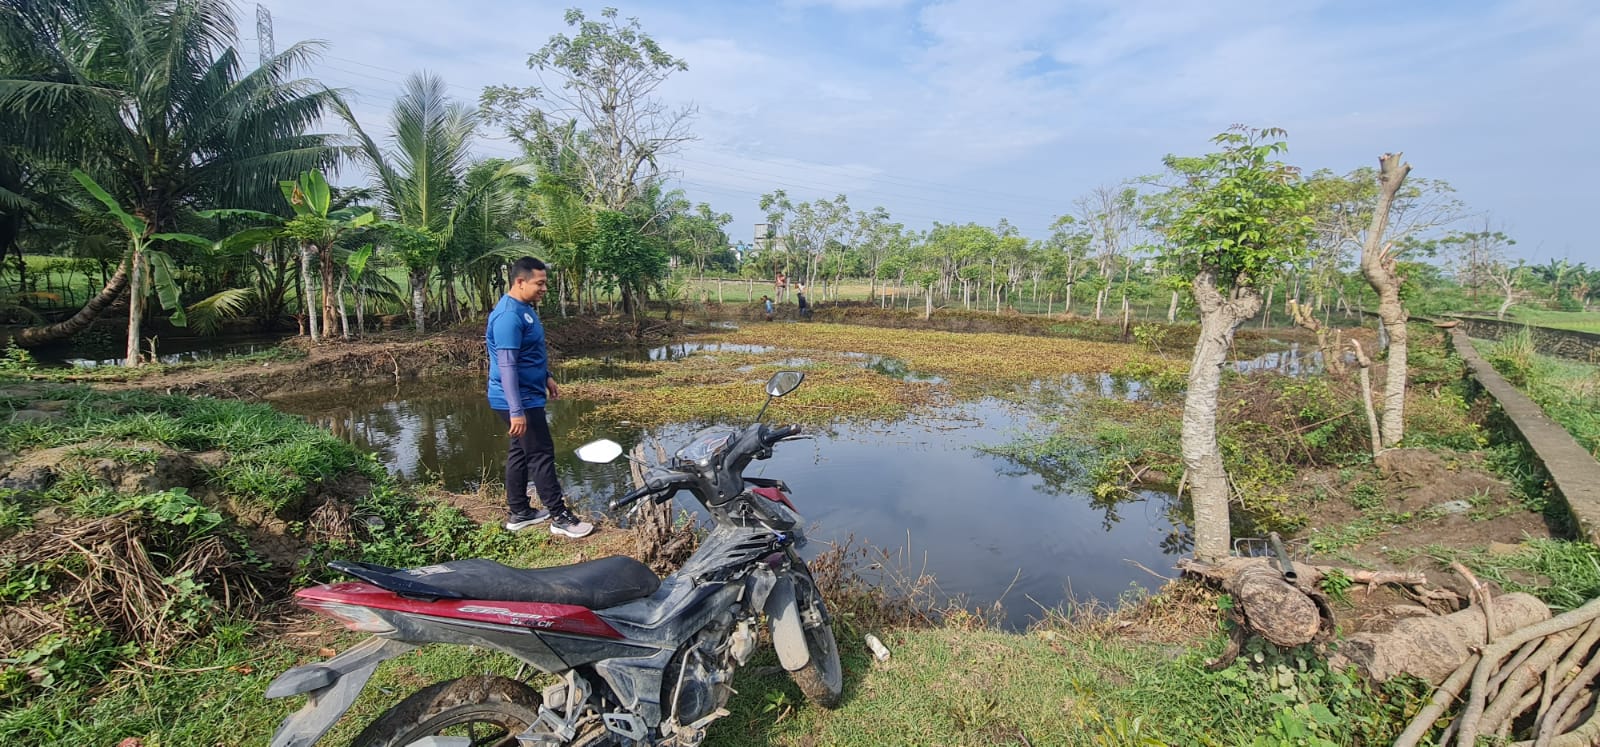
x=595, y=584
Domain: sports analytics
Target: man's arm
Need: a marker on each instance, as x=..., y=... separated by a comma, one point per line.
x=507, y=343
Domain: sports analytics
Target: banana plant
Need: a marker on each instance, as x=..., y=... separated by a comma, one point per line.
x=149, y=267
x=316, y=226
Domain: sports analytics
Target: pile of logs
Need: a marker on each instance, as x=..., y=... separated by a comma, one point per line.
x=1539, y=678
x=1525, y=674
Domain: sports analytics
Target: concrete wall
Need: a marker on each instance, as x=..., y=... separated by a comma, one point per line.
x=1583, y=346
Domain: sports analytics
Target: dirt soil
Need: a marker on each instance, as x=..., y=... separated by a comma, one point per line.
x=1426, y=499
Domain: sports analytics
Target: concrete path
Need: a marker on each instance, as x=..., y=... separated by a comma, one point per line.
x=1575, y=473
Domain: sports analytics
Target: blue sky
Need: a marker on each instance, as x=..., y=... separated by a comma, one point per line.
x=977, y=110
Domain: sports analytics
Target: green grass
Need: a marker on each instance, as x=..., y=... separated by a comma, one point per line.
x=1578, y=321
x=274, y=458
x=1569, y=391
x=949, y=686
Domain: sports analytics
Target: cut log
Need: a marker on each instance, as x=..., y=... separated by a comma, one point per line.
x=1276, y=609
x=1433, y=647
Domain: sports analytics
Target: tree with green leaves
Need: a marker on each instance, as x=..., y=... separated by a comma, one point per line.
x=317, y=227
x=604, y=111
x=566, y=226
x=1243, y=214
x=147, y=265
x=421, y=181
x=152, y=98
x=631, y=263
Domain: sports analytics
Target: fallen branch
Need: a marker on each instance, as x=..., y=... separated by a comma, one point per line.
x=1554, y=628
x=1481, y=596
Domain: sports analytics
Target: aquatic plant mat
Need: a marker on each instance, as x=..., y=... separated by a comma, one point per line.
x=861, y=373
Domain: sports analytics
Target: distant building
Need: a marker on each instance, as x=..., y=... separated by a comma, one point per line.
x=766, y=238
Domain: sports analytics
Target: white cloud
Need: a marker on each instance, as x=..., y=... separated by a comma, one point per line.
x=959, y=110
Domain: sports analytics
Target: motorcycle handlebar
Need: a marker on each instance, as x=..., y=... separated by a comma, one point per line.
x=779, y=433
x=664, y=480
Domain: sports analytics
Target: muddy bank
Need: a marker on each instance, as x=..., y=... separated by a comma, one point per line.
x=301, y=366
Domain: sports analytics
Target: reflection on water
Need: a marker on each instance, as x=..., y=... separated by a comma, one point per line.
x=979, y=524
x=1291, y=362
x=168, y=351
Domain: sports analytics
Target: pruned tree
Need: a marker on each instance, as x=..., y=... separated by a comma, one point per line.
x=604, y=110
x=1110, y=217
x=1480, y=258
x=1242, y=215
x=1378, y=265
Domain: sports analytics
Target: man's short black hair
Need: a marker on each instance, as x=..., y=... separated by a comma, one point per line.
x=524, y=268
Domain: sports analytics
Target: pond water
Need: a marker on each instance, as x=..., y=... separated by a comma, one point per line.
x=921, y=488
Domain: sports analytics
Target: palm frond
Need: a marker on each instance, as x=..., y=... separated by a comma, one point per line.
x=207, y=314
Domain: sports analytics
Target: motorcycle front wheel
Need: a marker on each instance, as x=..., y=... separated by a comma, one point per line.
x=821, y=679
x=490, y=711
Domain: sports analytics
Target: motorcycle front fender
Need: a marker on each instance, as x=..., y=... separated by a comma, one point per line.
x=788, y=633
x=332, y=686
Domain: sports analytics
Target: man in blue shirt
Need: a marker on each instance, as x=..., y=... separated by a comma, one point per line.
x=519, y=384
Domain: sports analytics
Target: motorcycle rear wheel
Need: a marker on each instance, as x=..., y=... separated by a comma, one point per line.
x=822, y=678
x=489, y=710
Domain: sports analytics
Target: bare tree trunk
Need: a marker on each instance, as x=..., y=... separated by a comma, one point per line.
x=419, y=297
x=1266, y=310
x=1100, y=302
x=80, y=321
x=135, y=305
x=1172, y=309
x=361, y=313
x=1378, y=265
x=1208, y=481
x=1511, y=295
x=927, y=309
x=1366, y=397
x=344, y=319
x=306, y=292
x=326, y=259
x=1330, y=354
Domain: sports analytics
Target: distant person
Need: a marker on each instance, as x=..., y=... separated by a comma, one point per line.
x=519, y=384
x=766, y=305
x=800, y=297
x=780, y=285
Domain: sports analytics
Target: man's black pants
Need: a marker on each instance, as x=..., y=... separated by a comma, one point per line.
x=533, y=454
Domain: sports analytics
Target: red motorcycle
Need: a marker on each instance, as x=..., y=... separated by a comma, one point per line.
x=641, y=660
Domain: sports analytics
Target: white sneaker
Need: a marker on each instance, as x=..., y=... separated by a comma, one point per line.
x=567, y=525
x=519, y=522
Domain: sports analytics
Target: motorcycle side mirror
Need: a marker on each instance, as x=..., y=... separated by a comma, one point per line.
x=784, y=382
x=599, y=452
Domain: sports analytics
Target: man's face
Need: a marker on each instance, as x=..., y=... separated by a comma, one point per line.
x=530, y=290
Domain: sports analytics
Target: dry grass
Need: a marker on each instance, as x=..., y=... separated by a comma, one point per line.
x=104, y=569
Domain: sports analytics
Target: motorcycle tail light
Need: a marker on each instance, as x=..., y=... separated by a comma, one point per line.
x=776, y=496
x=353, y=617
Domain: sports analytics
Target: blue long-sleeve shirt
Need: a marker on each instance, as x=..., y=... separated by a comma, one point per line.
x=519, y=364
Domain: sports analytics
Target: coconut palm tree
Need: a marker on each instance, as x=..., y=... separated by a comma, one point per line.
x=421, y=179
x=152, y=98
